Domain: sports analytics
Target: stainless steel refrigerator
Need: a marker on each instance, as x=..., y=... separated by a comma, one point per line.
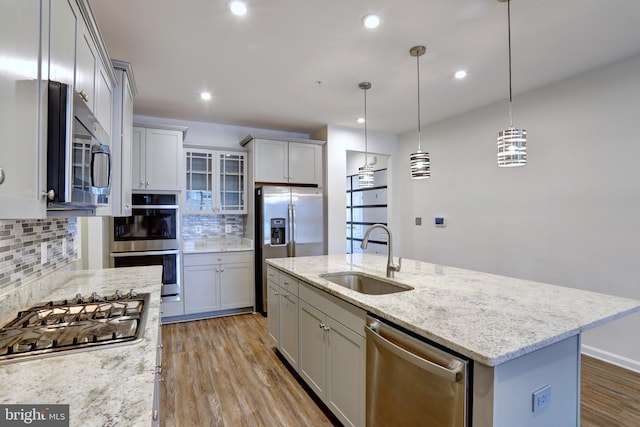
x=289, y=223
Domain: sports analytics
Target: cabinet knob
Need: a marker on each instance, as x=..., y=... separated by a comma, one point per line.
x=126, y=205
x=2, y=175
x=155, y=415
x=141, y=183
x=322, y=326
x=49, y=194
x=147, y=183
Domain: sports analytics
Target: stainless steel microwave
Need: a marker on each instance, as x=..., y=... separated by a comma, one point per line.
x=78, y=163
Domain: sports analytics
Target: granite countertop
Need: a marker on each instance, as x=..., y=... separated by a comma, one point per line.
x=489, y=318
x=110, y=386
x=233, y=244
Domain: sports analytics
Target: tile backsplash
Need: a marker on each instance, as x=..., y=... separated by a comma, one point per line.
x=21, y=242
x=212, y=226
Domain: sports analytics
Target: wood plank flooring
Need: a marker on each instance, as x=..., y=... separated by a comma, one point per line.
x=610, y=395
x=224, y=372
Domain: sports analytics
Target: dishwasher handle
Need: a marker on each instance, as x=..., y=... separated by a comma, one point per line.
x=452, y=375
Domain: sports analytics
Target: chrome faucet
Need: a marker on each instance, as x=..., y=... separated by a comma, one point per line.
x=391, y=267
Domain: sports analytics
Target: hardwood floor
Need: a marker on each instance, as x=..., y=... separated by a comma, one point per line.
x=610, y=395
x=224, y=372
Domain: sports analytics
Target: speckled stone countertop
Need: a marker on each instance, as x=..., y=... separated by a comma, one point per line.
x=491, y=319
x=108, y=386
x=233, y=244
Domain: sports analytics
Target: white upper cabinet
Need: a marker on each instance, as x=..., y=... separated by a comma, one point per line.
x=305, y=163
x=286, y=161
x=156, y=158
x=41, y=41
x=215, y=181
x=62, y=42
x=271, y=161
x=23, y=88
x=121, y=139
x=104, y=99
x=86, y=60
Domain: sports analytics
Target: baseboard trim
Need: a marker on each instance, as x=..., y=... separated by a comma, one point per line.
x=612, y=358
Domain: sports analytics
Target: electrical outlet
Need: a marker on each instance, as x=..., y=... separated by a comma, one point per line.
x=44, y=256
x=418, y=220
x=198, y=229
x=541, y=398
x=228, y=228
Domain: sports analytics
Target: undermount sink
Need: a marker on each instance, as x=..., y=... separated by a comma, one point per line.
x=365, y=284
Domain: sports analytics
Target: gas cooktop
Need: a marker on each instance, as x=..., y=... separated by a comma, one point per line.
x=73, y=325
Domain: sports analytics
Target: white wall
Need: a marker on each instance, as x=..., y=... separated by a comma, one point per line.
x=571, y=217
x=214, y=134
x=339, y=141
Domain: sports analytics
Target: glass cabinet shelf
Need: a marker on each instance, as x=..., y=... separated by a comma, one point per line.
x=215, y=181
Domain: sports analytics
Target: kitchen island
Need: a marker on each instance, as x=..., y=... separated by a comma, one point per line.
x=104, y=386
x=521, y=335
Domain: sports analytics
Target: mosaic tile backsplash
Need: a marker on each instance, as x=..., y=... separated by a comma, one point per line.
x=20, y=248
x=212, y=226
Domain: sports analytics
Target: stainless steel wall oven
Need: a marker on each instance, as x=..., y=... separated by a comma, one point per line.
x=150, y=236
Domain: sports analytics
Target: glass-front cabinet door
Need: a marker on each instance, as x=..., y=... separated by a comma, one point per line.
x=199, y=182
x=215, y=182
x=231, y=175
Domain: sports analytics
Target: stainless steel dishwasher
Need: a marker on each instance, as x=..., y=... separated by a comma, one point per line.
x=412, y=383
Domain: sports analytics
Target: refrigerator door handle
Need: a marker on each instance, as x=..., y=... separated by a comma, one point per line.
x=293, y=231
x=290, y=230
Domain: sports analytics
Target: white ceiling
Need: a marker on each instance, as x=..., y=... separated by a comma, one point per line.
x=262, y=69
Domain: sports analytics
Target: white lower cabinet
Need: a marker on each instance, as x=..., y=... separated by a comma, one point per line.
x=273, y=318
x=282, y=320
x=322, y=338
x=218, y=281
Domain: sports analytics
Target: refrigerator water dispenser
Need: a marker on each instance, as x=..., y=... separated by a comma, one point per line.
x=278, y=231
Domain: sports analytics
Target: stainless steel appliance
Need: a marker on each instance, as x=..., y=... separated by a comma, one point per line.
x=413, y=383
x=289, y=223
x=150, y=236
x=78, y=163
x=74, y=324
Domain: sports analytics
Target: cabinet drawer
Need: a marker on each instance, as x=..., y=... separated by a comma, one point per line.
x=218, y=258
x=289, y=283
x=345, y=313
x=273, y=275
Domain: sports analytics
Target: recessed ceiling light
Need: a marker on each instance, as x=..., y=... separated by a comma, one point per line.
x=238, y=7
x=371, y=21
x=360, y=120
x=205, y=95
x=460, y=74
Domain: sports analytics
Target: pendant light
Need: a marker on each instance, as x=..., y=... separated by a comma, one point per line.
x=419, y=161
x=512, y=142
x=365, y=173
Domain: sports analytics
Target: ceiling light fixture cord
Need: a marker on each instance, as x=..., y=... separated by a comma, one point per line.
x=418, y=72
x=509, y=42
x=366, y=162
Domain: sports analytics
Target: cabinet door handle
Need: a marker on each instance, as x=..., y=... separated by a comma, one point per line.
x=49, y=194
x=2, y=175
